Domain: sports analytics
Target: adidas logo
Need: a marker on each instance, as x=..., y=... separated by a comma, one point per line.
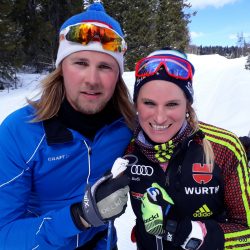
x=203, y=211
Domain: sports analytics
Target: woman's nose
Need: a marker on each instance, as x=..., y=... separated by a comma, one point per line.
x=160, y=116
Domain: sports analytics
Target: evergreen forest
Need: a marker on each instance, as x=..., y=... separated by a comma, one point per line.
x=29, y=31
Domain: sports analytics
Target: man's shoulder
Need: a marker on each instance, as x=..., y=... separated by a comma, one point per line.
x=24, y=114
x=19, y=123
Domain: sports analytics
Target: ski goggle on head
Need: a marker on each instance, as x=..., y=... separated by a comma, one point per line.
x=176, y=67
x=85, y=33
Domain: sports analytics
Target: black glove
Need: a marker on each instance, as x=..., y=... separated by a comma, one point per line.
x=105, y=200
x=188, y=234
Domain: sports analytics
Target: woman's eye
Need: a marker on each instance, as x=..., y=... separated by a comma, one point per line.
x=150, y=103
x=172, y=104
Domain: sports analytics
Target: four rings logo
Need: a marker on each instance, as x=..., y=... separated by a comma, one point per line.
x=142, y=170
x=138, y=169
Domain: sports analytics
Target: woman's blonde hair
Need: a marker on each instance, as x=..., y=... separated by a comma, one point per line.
x=53, y=93
x=207, y=147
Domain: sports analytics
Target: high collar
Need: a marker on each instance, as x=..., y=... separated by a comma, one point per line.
x=57, y=130
x=162, y=153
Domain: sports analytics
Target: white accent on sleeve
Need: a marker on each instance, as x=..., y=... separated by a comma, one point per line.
x=44, y=219
x=35, y=149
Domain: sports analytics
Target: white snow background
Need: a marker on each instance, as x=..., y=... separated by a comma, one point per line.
x=221, y=97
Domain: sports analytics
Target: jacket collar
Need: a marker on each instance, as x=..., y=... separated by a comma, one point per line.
x=56, y=132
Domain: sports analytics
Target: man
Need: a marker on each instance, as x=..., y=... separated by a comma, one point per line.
x=56, y=153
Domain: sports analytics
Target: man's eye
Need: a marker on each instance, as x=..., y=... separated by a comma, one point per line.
x=81, y=63
x=104, y=66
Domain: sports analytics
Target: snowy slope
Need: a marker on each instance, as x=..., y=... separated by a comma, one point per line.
x=222, y=90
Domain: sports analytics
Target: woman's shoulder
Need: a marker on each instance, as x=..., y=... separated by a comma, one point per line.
x=215, y=131
x=221, y=138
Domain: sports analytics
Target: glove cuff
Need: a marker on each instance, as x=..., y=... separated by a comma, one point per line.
x=86, y=214
x=89, y=208
x=77, y=217
x=171, y=226
x=187, y=234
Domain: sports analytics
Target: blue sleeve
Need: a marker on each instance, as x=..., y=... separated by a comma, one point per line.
x=18, y=230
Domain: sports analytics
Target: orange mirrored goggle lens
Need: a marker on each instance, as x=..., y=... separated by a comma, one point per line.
x=86, y=32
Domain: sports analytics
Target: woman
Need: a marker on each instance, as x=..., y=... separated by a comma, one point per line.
x=189, y=180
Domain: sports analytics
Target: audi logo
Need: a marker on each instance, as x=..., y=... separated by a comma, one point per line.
x=142, y=170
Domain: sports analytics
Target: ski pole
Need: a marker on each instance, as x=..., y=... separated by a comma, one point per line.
x=118, y=168
x=159, y=242
x=110, y=234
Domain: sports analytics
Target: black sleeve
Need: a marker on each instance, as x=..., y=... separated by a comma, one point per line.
x=214, y=239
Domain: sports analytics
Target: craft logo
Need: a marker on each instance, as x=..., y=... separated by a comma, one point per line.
x=58, y=157
x=202, y=174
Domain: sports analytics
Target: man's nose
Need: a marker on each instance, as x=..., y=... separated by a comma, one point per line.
x=92, y=76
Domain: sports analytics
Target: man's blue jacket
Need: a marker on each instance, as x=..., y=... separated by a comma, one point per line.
x=44, y=168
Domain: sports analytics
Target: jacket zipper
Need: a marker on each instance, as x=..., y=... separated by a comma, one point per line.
x=87, y=181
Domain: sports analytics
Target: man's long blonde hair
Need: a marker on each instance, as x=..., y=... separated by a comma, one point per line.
x=53, y=93
x=207, y=147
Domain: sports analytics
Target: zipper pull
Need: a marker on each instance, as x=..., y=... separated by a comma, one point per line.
x=179, y=169
x=89, y=150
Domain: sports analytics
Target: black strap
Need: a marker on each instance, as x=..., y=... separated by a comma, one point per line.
x=171, y=226
x=175, y=163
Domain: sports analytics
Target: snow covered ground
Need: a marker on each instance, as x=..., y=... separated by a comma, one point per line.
x=222, y=98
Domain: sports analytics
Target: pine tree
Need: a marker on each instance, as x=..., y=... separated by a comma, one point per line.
x=247, y=65
x=140, y=30
x=171, y=24
x=52, y=16
x=150, y=25
x=11, y=43
x=33, y=27
x=135, y=18
x=40, y=21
